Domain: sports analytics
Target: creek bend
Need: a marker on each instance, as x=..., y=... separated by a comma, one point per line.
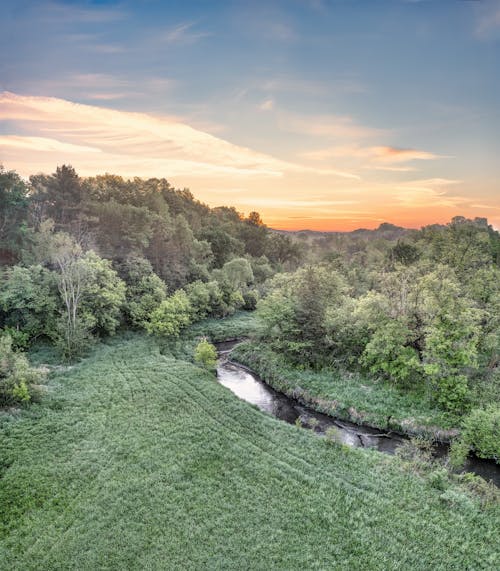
x=248, y=386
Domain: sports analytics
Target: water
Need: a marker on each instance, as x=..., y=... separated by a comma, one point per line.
x=250, y=388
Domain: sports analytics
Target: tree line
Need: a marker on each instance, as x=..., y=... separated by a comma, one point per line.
x=82, y=257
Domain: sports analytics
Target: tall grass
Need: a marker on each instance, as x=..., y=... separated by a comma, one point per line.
x=137, y=460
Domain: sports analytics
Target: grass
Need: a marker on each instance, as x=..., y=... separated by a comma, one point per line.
x=239, y=325
x=137, y=460
x=349, y=396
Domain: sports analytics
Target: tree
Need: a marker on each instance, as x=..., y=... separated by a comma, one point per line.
x=28, y=300
x=171, y=316
x=103, y=294
x=14, y=203
x=206, y=354
x=121, y=229
x=238, y=273
x=59, y=195
x=90, y=290
x=145, y=290
x=390, y=352
x=452, y=328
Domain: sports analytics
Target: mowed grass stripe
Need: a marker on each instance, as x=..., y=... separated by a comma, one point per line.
x=137, y=461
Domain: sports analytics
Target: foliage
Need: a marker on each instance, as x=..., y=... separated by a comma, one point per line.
x=29, y=300
x=16, y=375
x=144, y=290
x=14, y=202
x=171, y=316
x=205, y=354
x=103, y=295
x=480, y=434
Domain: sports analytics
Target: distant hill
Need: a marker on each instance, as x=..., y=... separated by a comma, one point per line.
x=385, y=230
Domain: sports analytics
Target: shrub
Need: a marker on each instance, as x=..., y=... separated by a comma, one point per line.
x=439, y=479
x=250, y=299
x=332, y=436
x=205, y=354
x=481, y=434
x=16, y=375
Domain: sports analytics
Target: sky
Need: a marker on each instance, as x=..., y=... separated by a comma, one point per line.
x=319, y=114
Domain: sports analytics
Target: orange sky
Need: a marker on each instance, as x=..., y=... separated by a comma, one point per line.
x=360, y=183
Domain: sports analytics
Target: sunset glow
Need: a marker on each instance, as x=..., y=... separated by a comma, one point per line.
x=311, y=113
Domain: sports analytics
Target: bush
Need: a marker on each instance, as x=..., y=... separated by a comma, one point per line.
x=205, y=354
x=250, y=299
x=332, y=436
x=439, y=479
x=481, y=434
x=16, y=375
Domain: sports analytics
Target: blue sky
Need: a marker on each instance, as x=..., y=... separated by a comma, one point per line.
x=321, y=114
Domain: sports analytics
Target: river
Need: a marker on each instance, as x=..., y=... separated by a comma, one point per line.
x=250, y=388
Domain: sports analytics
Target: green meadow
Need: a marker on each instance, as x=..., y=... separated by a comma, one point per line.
x=137, y=459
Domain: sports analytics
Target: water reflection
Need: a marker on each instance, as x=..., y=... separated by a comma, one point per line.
x=250, y=388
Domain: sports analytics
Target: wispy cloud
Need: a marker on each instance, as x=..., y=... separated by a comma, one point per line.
x=267, y=105
x=487, y=23
x=43, y=144
x=301, y=85
x=379, y=157
x=426, y=192
x=65, y=13
x=331, y=126
x=183, y=34
x=130, y=143
x=103, y=86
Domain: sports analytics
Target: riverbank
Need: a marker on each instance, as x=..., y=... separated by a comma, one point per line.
x=140, y=460
x=348, y=396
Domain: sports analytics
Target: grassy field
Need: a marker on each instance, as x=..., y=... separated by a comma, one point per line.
x=350, y=396
x=138, y=460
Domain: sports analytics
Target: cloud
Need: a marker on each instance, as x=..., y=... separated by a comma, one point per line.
x=64, y=13
x=390, y=169
x=102, y=86
x=267, y=105
x=377, y=157
x=313, y=203
x=43, y=144
x=129, y=143
x=106, y=96
x=183, y=34
x=485, y=206
x=487, y=23
x=395, y=155
x=332, y=126
x=428, y=193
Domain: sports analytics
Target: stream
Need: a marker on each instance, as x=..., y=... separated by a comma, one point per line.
x=249, y=387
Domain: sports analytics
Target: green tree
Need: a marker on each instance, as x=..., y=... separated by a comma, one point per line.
x=206, y=354
x=14, y=204
x=238, y=273
x=171, y=316
x=58, y=196
x=145, y=290
x=29, y=300
x=103, y=294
